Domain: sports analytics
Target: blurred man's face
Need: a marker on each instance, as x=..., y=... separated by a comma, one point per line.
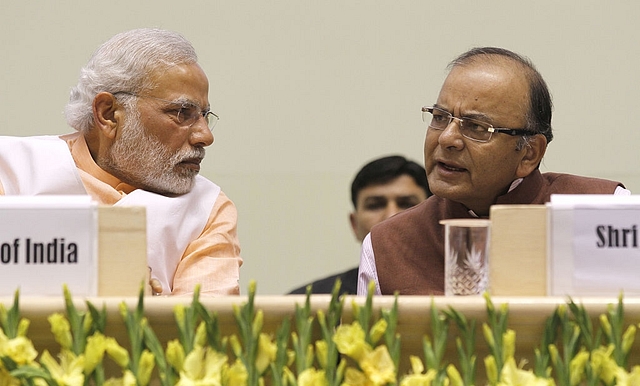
x=379, y=202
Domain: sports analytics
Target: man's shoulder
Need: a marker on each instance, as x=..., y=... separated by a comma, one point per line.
x=571, y=183
x=349, y=282
x=433, y=207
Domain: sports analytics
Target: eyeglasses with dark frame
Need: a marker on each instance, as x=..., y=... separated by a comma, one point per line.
x=187, y=115
x=473, y=129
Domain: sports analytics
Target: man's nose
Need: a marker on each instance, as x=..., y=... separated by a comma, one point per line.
x=451, y=135
x=392, y=208
x=201, y=134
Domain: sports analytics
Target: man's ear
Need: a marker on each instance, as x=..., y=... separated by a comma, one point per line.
x=108, y=114
x=533, y=152
x=354, y=224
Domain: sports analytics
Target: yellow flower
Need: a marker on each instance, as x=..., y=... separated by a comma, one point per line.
x=509, y=344
x=349, y=339
x=116, y=352
x=419, y=379
x=322, y=352
x=454, y=376
x=631, y=378
x=377, y=331
x=145, y=367
x=61, y=330
x=378, y=366
x=312, y=377
x=70, y=371
x=19, y=349
x=491, y=369
x=23, y=326
x=6, y=379
x=201, y=335
x=627, y=338
x=202, y=366
x=266, y=353
x=577, y=366
x=94, y=352
x=175, y=354
x=128, y=379
x=603, y=364
x=417, y=367
x=354, y=377
x=236, y=374
x=513, y=376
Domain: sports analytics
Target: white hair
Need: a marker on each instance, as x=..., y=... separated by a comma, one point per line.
x=124, y=63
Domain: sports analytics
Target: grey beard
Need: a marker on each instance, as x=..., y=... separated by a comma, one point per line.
x=141, y=160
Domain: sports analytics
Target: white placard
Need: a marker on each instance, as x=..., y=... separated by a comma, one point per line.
x=48, y=241
x=594, y=245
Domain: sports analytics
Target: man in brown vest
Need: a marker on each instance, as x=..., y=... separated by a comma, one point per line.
x=486, y=136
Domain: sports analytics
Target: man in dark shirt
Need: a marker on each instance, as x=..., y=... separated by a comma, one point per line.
x=382, y=188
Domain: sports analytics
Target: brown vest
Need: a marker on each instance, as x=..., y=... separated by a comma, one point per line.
x=409, y=247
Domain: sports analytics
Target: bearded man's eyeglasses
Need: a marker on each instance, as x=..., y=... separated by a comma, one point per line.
x=186, y=113
x=473, y=129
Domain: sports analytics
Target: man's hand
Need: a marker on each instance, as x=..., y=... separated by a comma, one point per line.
x=156, y=286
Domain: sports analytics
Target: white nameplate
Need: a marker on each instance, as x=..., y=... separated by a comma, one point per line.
x=48, y=241
x=594, y=245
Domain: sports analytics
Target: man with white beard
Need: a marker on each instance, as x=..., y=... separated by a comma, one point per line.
x=142, y=118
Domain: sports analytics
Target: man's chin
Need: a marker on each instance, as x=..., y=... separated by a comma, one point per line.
x=172, y=190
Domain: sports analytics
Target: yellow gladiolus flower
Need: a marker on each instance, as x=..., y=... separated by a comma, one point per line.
x=175, y=354
x=266, y=353
x=513, y=376
x=603, y=364
x=491, y=368
x=94, y=352
x=20, y=349
x=454, y=376
x=509, y=344
x=417, y=367
x=236, y=374
x=349, y=340
x=201, y=334
x=145, y=367
x=354, y=377
x=378, y=330
x=627, y=338
x=128, y=379
x=378, y=366
x=23, y=327
x=70, y=370
x=631, y=378
x=419, y=379
x=116, y=352
x=202, y=366
x=312, y=377
x=577, y=366
x=488, y=335
x=6, y=379
x=322, y=352
x=61, y=330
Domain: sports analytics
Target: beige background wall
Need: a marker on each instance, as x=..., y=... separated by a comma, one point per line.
x=308, y=91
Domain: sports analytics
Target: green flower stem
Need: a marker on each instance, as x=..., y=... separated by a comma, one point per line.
x=542, y=357
x=494, y=331
x=434, y=347
x=278, y=375
x=392, y=338
x=465, y=345
x=301, y=339
x=249, y=326
x=328, y=323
